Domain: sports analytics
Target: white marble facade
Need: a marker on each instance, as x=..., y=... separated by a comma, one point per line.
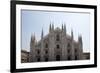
x=57, y=45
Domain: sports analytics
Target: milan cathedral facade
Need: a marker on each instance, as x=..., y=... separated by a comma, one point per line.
x=57, y=45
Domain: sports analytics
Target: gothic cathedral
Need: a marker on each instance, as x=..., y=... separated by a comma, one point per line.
x=57, y=45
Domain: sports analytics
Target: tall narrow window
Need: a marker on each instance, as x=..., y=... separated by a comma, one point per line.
x=46, y=45
x=75, y=50
x=68, y=50
x=57, y=46
x=57, y=37
x=38, y=51
x=46, y=51
x=68, y=45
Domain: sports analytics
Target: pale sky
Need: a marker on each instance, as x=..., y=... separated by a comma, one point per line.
x=34, y=21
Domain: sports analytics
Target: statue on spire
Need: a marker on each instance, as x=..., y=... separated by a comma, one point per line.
x=33, y=38
x=50, y=28
x=80, y=39
x=72, y=33
x=64, y=27
x=42, y=34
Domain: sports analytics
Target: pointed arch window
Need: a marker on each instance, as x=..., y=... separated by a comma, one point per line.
x=57, y=37
x=46, y=45
x=68, y=51
x=38, y=51
x=68, y=45
x=75, y=50
x=57, y=46
x=46, y=51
